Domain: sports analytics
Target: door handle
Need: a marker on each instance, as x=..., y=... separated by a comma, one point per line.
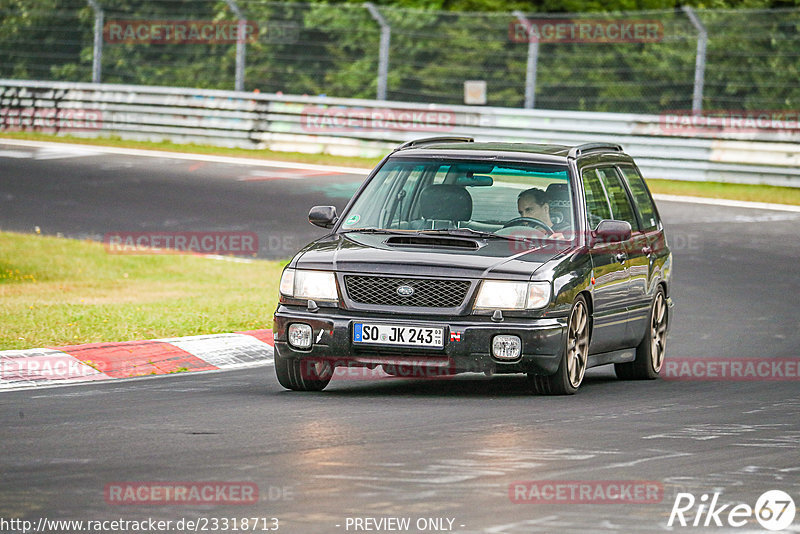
x=621, y=257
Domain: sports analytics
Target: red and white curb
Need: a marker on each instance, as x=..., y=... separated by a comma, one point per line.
x=129, y=359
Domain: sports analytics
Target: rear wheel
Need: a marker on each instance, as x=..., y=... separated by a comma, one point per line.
x=303, y=375
x=650, y=352
x=567, y=379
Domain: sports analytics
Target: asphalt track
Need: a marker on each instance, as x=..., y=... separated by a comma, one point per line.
x=403, y=448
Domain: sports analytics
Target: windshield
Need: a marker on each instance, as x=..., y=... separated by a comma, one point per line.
x=506, y=199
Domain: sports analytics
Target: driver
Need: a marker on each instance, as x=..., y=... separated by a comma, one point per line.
x=532, y=203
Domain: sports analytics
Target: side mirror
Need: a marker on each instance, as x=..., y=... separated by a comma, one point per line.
x=609, y=231
x=322, y=216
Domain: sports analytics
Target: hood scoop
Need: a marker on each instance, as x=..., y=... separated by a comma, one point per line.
x=435, y=241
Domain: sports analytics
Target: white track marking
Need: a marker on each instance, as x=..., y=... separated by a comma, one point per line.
x=57, y=152
x=225, y=350
x=727, y=203
x=184, y=156
x=17, y=154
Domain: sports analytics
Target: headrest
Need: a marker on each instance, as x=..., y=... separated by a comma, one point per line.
x=558, y=198
x=445, y=202
x=557, y=194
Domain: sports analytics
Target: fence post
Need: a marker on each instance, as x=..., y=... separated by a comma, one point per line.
x=532, y=62
x=97, y=54
x=240, y=44
x=700, y=60
x=383, y=53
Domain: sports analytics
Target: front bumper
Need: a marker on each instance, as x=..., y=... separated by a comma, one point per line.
x=467, y=341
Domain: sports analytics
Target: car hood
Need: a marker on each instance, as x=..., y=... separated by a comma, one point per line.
x=375, y=254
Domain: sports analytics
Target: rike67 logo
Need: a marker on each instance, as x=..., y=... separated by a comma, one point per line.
x=774, y=510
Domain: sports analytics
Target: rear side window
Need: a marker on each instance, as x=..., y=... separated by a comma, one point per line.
x=621, y=208
x=641, y=197
x=597, y=207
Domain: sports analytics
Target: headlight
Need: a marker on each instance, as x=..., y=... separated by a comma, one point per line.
x=495, y=294
x=314, y=285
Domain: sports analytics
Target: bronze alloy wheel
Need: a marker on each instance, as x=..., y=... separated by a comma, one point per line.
x=658, y=332
x=577, y=343
x=567, y=379
x=652, y=349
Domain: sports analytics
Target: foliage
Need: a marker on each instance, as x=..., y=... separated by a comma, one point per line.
x=436, y=45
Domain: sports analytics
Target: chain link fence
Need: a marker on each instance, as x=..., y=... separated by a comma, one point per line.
x=638, y=62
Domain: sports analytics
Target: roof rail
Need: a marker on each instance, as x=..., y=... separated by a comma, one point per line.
x=434, y=140
x=583, y=149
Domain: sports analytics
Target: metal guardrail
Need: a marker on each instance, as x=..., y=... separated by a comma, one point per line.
x=353, y=127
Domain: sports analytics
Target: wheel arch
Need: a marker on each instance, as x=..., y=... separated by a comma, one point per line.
x=663, y=285
x=587, y=297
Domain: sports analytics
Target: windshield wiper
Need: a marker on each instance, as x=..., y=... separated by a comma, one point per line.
x=379, y=231
x=468, y=232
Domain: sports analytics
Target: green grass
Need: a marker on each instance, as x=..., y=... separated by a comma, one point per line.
x=57, y=291
x=752, y=193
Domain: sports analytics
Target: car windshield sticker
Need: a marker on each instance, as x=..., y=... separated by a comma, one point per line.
x=352, y=219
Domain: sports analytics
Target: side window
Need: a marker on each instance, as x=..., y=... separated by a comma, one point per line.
x=597, y=207
x=396, y=212
x=405, y=196
x=621, y=208
x=641, y=197
x=420, y=178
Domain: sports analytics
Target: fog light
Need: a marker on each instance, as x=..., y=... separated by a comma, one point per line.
x=506, y=347
x=300, y=335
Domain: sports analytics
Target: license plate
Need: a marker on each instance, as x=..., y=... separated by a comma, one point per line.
x=383, y=334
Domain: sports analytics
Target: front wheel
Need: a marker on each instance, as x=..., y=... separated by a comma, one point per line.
x=302, y=375
x=650, y=352
x=567, y=379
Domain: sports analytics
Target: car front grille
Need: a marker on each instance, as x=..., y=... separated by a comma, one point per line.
x=428, y=293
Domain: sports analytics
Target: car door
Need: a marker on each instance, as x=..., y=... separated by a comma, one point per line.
x=609, y=272
x=635, y=249
x=650, y=240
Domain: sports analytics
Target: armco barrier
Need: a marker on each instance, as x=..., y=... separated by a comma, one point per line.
x=761, y=153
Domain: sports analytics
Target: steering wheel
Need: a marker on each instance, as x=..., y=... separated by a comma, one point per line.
x=528, y=221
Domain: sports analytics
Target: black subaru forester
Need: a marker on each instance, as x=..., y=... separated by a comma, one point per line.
x=455, y=256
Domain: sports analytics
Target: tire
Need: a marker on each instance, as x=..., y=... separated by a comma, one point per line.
x=651, y=350
x=302, y=375
x=567, y=379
